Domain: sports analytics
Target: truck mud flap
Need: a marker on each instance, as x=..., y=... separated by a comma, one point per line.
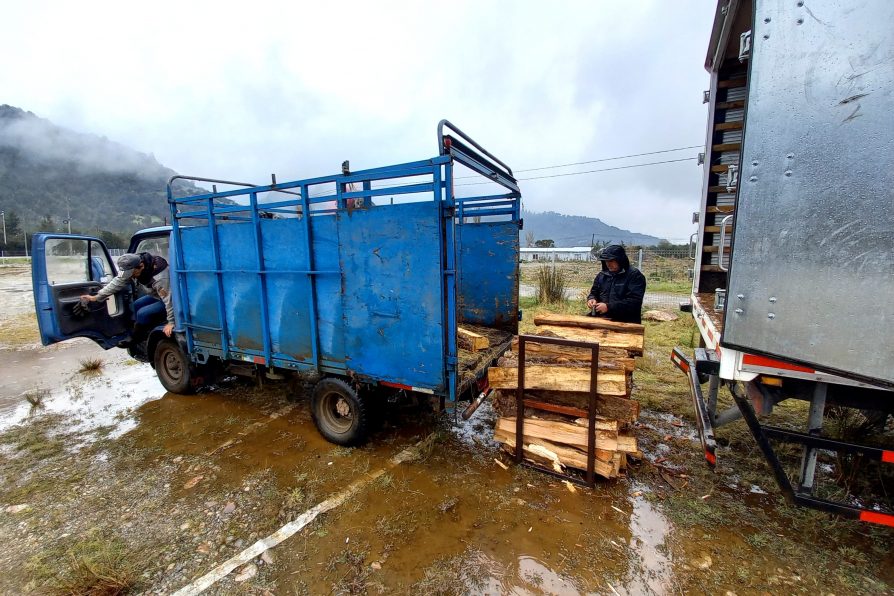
x=702, y=416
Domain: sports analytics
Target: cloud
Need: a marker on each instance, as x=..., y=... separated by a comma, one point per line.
x=241, y=91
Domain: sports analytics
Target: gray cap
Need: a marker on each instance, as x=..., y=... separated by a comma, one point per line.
x=127, y=263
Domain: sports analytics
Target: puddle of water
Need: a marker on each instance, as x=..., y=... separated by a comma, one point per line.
x=535, y=573
x=27, y=370
x=106, y=399
x=651, y=570
x=494, y=531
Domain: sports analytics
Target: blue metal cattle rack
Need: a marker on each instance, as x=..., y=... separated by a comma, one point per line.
x=362, y=274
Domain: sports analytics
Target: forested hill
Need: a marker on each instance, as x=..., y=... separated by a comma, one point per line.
x=577, y=230
x=47, y=170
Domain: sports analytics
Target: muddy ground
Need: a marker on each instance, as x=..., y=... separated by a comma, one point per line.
x=110, y=482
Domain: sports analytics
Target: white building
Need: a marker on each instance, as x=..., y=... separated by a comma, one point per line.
x=575, y=253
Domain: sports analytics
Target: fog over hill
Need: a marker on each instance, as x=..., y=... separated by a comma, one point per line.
x=47, y=172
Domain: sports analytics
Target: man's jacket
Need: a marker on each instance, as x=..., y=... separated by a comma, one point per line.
x=622, y=291
x=155, y=279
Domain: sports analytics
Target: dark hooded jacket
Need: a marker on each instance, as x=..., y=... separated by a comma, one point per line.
x=622, y=291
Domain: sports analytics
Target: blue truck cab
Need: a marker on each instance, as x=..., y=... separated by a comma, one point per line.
x=358, y=280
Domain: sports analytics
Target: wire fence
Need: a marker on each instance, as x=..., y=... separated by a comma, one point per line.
x=668, y=273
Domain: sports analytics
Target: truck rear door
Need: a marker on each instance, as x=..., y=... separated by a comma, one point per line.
x=65, y=267
x=812, y=266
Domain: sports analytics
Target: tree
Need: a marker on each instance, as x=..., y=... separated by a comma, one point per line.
x=545, y=243
x=13, y=224
x=113, y=240
x=47, y=224
x=529, y=239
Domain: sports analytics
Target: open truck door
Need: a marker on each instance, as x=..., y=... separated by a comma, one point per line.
x=65, y=267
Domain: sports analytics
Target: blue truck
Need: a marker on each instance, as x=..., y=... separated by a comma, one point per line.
x=357, y=280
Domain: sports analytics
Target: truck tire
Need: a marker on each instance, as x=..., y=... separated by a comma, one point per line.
x=339, y=413
x=173, y=367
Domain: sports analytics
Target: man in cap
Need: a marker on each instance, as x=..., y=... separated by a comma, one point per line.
x=151, y=272
x=618, y=290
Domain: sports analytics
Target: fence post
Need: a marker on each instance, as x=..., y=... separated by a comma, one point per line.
x=639, y=262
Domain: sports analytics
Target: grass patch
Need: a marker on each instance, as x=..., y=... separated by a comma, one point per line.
x=20, y=330
x=96, y=565
x=530, y=306
x=550, y=284
x=14, y=261
x=90, y=366
x=35, y=397
x=671, y=287
x=349, y=570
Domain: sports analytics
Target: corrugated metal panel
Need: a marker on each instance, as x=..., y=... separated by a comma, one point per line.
x=736, y=94
x=729, y=157
x=733, y=115
x=732, y=136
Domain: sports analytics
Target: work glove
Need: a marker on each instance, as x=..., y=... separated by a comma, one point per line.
x=80, y=309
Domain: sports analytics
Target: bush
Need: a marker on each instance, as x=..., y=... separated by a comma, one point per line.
x=550, y=285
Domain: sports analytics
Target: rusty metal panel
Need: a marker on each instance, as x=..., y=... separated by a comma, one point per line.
x=812, y=269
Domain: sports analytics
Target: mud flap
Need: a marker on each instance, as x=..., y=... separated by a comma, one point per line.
x=702, y=416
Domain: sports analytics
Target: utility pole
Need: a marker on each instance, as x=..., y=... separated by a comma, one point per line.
x=3, y=216
x=68, y=219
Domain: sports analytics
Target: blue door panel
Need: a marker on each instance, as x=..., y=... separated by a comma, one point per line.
x=393, y=306
x=488, y=274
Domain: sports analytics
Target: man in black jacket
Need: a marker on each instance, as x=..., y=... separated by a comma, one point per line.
x=618, y=290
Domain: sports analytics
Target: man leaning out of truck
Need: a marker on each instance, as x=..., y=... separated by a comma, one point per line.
x=151, y=272
x=618, y=290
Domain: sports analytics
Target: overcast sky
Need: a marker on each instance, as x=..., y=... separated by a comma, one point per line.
x=246, y=89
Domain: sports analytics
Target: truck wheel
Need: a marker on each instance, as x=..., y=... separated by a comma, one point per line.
x=173, y=367
x=339, y=413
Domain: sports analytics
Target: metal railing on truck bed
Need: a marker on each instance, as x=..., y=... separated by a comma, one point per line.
x=360, y=274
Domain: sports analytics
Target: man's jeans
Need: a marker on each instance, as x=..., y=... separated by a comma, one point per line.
x=149, y=311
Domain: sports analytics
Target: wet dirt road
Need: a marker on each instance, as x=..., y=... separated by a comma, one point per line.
x=163, y=488
x=183, y=483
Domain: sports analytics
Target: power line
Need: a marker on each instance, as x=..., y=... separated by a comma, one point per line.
x=581, y=163
x=601, y=160
x=638, y=165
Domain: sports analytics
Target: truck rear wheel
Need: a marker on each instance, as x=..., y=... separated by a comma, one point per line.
x=173, y=367
x=339, y=413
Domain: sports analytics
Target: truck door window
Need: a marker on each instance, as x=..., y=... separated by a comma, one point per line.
x=71, y=261
x=67, y=261
x=157, y=246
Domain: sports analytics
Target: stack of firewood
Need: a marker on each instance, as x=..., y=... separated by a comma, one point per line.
x=557, y=386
